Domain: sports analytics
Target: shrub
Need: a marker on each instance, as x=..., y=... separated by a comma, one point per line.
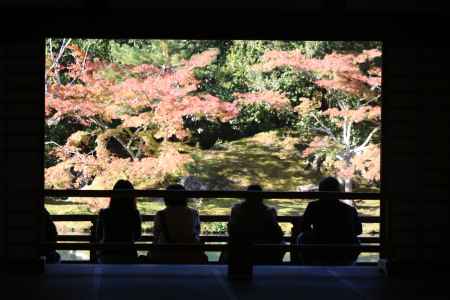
x=204, y=132
x=214, y=228
x=254, y=118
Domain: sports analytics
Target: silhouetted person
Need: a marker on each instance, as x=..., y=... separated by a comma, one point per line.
x=119, y=223
x=329, y=221
x=177, y=224
x=253, y=222
x=48, y=235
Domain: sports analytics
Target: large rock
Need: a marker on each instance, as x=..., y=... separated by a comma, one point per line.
x=108, y=144
x=193, y=183
x=308, y=188
x=222, y=183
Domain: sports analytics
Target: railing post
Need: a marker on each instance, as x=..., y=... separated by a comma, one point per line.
x=93, y=251
x=293, y=240
x=240, y=263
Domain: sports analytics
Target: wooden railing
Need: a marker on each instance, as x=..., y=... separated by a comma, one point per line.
x=214, y=243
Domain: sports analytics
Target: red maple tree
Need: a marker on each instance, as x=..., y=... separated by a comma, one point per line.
x=353, y=103
x=148, y=102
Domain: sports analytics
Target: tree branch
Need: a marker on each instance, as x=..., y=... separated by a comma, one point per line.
x=373, y=99
x=364, y=144
x=133, y=136
x=62, y=147
x=349, y=133
x=323, y=128
x=99, y=123
x=56, y=60
x=52, y=143
x=320, y=129
x=344, y=131
x=341, y=105
x=83, y=64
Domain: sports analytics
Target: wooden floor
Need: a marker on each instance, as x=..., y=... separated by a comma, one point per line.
x=143, y=282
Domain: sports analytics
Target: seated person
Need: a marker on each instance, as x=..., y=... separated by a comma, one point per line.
x=177, y=224
x=48, y=235
x=119, y=223
x=253, y=222
x=329, y=221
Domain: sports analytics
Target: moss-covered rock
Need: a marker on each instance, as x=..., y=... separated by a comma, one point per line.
x=150, y=145
x=79, y=139
x=107, y=143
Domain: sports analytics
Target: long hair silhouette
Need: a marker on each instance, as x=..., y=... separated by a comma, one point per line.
x=123, y=202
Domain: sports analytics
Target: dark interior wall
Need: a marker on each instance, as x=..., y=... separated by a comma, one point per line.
x=382, y=6
x=415, y=108
x=2, y=168
x=22, y=134
x=415, y=151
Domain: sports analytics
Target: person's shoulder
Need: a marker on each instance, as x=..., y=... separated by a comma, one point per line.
x=313, y=207
x=348, y=209
x=271, y=209
x=103, y=211
x=46, y=216
x=137, y=212
x=104, y=214
x=236, y=209
x=161, y=211
x=353, y=209
x=237, y=206
x=313, y=204
x=345, y=206
x=193, y=211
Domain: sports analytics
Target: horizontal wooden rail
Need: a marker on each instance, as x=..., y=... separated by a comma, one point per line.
x=83, y=242
x=204, y=238
x=209, y=194
x=203, y=218
x=205, y=247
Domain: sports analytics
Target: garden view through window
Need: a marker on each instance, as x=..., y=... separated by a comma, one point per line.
x=211, y=115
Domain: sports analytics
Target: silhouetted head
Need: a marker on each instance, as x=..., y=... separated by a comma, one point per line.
x=178, y=200
x=125, y=202
x=254, y=198
x=329, y=184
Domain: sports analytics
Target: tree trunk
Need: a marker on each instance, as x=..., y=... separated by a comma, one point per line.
x=348, y=188
x=317, y=163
